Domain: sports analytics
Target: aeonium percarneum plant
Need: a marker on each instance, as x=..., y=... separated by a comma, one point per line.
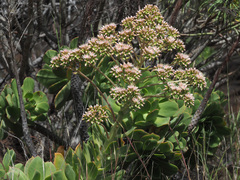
x=144, y=102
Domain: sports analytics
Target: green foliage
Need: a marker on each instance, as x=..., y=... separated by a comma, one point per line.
x=83, y=163
x=150, y=130
x=35, y=103
x=57, y=81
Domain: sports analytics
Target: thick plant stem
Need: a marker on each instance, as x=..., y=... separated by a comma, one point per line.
x=76, y=90
x=26, y=132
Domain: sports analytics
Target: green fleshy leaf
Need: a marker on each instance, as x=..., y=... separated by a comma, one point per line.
x=17, y=174
x=137, y=134
x=59, y=161
x=177, y=156
x=28, y=95
x=154, y=105
x=164, y=147
x=152, y=115
x=224, y=131
x=150, y=136
x=111, y=146
x=39, y=97
x=131, y=157
x=19, y=166
x=46, y=77
x=214, y=141
x=9, y=100
x=92, y=170
x=62, y=96
x=28, y=86
x=180, y=111
x=168, y=108
x=49, y=55
x=161, y=121
x=14, y=89
x=2, y=131
x=146, y=107
x=33, y=167
x=212, y=109
x=161, y=156
x=8, y=159
x=57, y=175
x=54, y=88
x=7, y=90
x=13, y=113
x=15, y=101
x=112, y=102
x=218, y=121
x=42, y=107
x=168, y=168
x=69, y=172
x=49, y=169
x=74, y=43
x=40, y=117
x=62, y=73
x=69, y=156
x=86, y=153
x=36, y=176
x=137, y=145
x=2, y=171
x=2, y=101
x=150, y=144
x=139, y=117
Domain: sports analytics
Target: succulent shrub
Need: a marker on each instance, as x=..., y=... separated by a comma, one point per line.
x=142, y=102
x=36, y=106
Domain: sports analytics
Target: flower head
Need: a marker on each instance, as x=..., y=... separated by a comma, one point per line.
x=129, y=96
x=195, y=78
x=66, y=58
x=126, y=71
x=125, y=35
x=189, y=99
x=164, y=71
x=151, y=52
x=151, y=13
x=108, y=30
x=95, y=114
x=128, y=22
x=180, y=90
x=182, y=60
x=122, y=50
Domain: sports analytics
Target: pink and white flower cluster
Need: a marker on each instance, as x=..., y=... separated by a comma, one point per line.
x=148, y=28
x=122, y=50
x=144, y=37
x=195, y=78
x=181, y=59
x=66, y=58
x=108, y=30
x=151, y=52
x=95, y=114
x=180, y=90
x=126, y=71
x=164, y=71
x=129, y=96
